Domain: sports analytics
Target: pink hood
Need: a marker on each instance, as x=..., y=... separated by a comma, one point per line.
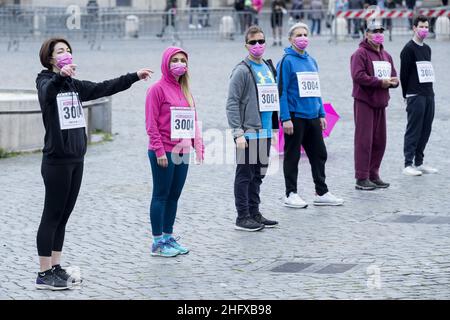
x=165, y=70
x=163, y=95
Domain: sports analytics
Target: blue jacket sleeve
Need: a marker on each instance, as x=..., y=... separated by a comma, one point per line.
x=284, y=108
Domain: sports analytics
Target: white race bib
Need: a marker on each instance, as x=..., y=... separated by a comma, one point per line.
x=425, y=71
x=308, y=84
x=382, y=69
x=70, y=110
x=182, y=121
x=268, y=97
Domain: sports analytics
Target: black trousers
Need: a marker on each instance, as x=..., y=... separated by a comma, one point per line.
x=307, y=133
x=62, y=184
x=252, y=164
x=420, y=111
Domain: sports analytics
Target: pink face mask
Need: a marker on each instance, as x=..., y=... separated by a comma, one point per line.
x=63, y=60
x=378, y=38
x=422, y=33
x=257, y=50
x=301, y=42
x=178, y=69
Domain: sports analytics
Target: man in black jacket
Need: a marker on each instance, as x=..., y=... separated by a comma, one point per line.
x=417, y=77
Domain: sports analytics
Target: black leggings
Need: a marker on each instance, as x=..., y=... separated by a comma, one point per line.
x=62, y=184
x=307, y=133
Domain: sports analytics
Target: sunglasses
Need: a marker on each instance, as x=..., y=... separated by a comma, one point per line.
x=253, y=42
x=378, y=31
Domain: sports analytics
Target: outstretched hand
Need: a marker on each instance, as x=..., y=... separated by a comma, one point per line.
x=144, y=74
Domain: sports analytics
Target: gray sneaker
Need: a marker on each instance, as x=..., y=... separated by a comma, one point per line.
x=365, y=184
x=248, y=224
x=48, y=280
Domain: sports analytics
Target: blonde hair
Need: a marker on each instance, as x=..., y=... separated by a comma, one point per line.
x=184, y=83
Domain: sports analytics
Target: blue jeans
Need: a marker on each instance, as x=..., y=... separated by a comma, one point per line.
x=167, y=186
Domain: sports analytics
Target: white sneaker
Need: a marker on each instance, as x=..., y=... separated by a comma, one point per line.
x=294, y=201
x=328, y=199
x=411, y=171
x=426, y=169
x=191, y=26
x=199, y=26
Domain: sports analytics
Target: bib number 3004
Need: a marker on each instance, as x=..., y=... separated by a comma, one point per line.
x=308, y=84
x=70, y=111
x=182, y=123
x=268, y=97
x=425, y=71
x=382, y=69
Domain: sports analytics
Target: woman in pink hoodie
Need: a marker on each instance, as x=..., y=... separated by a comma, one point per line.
x=171, y=122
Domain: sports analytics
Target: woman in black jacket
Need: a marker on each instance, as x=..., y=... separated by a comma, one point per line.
x=60, y=97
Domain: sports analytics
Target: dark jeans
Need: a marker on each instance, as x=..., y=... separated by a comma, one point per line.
x=252, y=164
x=167, y=186
x=420, y=111
x=370, y=140
x=62, y=184
x=316, y=22
x=307, y=133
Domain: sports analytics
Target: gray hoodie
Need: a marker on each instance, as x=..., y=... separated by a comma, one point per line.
x=242, y=104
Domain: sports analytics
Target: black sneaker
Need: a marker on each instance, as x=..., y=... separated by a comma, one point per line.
x=62, y=273
x=365, y=184
x=48, y=280
x=380, y=183
x=266, y=222
x=248, y=224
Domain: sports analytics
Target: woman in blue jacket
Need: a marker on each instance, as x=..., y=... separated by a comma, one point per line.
x=303, y=118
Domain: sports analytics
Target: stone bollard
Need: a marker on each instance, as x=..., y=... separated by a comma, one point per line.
x=227, y=27
x=132, y=27
x=21, y=127
x=442, y=28
x=339, y=28
x=39, y=24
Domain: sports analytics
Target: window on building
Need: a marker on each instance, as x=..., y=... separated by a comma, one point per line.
x=123, y=3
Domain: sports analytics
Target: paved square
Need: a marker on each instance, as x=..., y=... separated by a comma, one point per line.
x=108, y=235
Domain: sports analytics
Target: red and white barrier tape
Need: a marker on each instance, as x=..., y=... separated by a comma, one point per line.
x=392, y=14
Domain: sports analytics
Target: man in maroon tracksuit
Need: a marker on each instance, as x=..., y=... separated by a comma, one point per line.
x=373, y=74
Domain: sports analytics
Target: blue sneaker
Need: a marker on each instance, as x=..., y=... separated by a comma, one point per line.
x=174, y=244
x=164, y=249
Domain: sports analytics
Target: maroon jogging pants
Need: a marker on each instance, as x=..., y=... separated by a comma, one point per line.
x=370, y=140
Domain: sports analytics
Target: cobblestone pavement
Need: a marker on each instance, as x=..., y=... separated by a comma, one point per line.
x=394, y=243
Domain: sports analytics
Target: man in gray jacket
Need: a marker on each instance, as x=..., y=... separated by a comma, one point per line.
x=252, y=112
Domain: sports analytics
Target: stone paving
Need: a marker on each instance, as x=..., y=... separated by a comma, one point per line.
x=391, y=244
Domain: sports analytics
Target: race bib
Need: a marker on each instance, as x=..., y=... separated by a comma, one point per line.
x=182, y=121
x=268, y=97
x=308, y=84
x=425, y=71
x=382, y=69
x=70, y=110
